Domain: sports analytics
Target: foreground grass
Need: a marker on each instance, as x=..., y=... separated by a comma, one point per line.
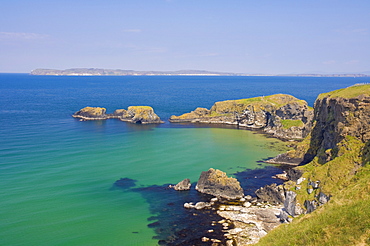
x=345, y=219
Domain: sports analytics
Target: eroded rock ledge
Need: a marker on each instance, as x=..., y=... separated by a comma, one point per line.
x=280, y=115
x=134, y=114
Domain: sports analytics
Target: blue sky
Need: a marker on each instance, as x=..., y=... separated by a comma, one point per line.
x=265, y=36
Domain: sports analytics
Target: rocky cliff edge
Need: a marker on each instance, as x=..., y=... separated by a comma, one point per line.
x=280, y=115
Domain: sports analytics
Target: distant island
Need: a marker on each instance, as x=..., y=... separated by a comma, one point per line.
x=120, y=72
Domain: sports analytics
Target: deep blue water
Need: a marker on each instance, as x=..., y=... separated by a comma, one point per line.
x=57, y=174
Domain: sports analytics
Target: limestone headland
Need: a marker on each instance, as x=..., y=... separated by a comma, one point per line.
x=134, y=114
x=280, y=115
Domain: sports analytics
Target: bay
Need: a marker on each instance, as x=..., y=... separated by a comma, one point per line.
x=57, y=174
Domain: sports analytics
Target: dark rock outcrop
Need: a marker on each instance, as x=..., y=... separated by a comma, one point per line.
x=215, y=182
x=273, y=194
x=322, y=198
x=283, y=116
x=294, y=174
x=134, y=114
x=310, y=206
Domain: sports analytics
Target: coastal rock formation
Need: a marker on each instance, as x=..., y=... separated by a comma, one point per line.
x=91, y=113
x=140, y=115
x=273, y=194
x=281, y=115
x=334, y=152
x=134, y=114
x=341, y=113
x=250, y=224
x=215, y=182
x=183, y=185
x=338, y=116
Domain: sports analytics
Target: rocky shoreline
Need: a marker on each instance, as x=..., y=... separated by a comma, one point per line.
x=247, y=219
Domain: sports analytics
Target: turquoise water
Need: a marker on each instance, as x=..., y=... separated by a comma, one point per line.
x=57, y=174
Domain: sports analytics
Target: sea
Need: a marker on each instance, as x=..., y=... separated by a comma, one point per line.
x=68, y=182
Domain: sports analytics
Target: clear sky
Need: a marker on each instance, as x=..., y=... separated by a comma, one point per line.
x=246, y=36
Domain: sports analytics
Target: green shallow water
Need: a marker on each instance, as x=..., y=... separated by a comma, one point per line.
x=58, y=190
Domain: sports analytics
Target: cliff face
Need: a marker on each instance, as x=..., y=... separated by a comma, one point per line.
x=134, y=114
x=283, y=116
x=339, y=114
x=338, y=148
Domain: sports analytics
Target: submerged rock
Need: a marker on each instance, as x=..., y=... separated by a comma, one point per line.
x=215, y=182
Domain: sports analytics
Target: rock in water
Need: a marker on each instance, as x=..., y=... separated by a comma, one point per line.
x=141, y=115
x=183, y=185
x=134, y=114
x=215, y=182
x=91, y=113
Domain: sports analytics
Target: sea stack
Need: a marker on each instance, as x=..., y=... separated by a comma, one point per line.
x=216, y=183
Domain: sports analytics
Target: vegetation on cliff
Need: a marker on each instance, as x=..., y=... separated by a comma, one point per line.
x=338, y=156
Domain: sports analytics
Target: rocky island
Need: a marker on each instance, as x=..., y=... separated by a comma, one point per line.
x=121, y=72
x=134, y=114
x=280, y=115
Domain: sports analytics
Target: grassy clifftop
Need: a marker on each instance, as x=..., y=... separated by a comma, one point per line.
x=349, y=92
x=266, y=103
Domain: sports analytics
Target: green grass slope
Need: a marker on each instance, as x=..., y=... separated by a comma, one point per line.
x=345, y=220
